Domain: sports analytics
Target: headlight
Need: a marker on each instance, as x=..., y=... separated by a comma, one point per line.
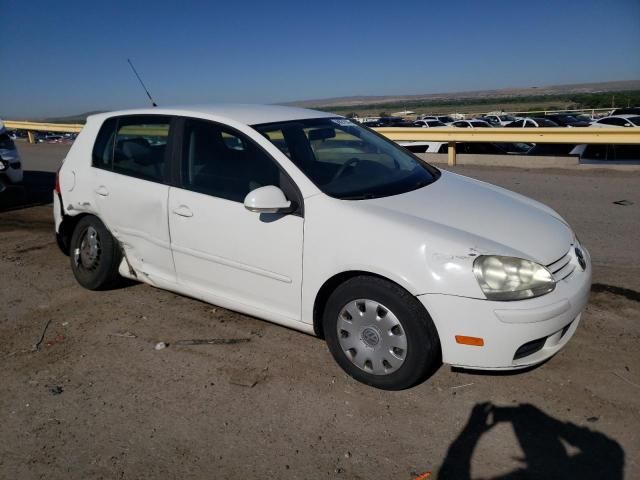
x=510, y=278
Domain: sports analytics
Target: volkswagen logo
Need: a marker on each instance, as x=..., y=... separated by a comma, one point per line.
x=370, y=337
x=580, y=257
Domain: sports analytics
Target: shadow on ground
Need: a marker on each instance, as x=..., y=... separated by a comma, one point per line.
x=552, y=449
x=36, y=189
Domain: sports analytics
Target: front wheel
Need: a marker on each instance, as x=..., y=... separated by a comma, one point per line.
x=380, y=334
x=95, y=254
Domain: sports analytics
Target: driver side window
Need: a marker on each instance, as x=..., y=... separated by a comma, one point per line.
x=220, y=162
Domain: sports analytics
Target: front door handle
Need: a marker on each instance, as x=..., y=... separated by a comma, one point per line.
x=183, y=211
x=102, y=191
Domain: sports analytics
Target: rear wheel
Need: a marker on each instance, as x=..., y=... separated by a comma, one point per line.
x=95, y=254
x=380, y=334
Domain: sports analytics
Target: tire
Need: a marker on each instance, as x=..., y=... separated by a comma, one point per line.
x=95, y=255
x=390, y=342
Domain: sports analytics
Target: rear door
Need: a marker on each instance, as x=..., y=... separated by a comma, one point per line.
x=252, y=261
x=131, y=161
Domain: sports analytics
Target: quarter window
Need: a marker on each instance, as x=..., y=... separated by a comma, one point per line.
x=219, y=162
x=103, y=148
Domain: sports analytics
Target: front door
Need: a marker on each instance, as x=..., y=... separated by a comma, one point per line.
x=250, y=261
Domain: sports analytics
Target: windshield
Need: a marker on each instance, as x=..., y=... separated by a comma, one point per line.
x=543, y=122
x=348, y=161
x=507, y=118
x=567, y=118
x=582, y=118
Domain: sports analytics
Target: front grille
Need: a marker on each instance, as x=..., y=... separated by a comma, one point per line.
x=530, y=348
x=563, y=267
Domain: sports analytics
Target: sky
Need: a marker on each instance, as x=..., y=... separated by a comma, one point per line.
x=65, y=58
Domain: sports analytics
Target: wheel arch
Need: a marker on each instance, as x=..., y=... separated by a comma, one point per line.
x=67, y=226
x=334, y=282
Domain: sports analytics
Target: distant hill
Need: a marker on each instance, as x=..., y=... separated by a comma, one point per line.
x=445, y=100
x=79, y=118
x=578, y=88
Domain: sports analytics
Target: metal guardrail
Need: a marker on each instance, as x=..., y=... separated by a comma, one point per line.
x=31, y=127
x=44, y=127
x=451, y=135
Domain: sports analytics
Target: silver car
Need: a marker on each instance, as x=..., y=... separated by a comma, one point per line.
x=10, y=164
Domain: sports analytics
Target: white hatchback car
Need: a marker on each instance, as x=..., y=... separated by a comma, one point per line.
x=314, y=222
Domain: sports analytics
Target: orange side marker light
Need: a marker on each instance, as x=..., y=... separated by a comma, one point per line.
x=473, y=341
x=423, y=476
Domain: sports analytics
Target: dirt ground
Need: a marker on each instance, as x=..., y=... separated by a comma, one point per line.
x=85, y=394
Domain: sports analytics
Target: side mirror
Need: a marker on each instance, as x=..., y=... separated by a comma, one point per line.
x=269, y=199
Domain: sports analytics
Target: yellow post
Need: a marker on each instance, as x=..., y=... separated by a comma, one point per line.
x=451, y=151
x=31, y=136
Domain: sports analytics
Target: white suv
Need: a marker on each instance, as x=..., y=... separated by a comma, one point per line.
x=314, y=222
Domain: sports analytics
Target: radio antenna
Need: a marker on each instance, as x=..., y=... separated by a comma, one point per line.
x=142, y=83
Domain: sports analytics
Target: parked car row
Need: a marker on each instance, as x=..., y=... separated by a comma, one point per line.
x=626, y=117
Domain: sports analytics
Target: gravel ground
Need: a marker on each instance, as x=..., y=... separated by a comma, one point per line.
x=85, y=394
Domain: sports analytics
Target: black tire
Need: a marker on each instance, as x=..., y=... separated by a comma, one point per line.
x=102, y=273
x=423, y=355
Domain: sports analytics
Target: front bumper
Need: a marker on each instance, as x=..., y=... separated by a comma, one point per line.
x=516, y=334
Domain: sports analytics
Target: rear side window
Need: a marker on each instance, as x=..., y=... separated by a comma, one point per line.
x=135, y=146
x=141, y=146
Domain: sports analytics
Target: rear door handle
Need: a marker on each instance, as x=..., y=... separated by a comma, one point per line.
x=102, y=191
x=183, y=211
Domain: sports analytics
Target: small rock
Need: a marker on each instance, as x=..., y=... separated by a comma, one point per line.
x=161, y=346
x=64, y=324
x=56, y=390
x=347, y=455
x=592, y=419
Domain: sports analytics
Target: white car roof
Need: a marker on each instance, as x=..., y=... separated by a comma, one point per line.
x=248, y=114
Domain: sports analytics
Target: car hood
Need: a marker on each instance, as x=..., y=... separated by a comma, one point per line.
x=496, y=220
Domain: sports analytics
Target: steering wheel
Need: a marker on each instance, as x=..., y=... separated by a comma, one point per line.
x=349, y=163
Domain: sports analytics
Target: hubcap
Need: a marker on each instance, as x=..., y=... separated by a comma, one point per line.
x=371, y=336
x=88, y=254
